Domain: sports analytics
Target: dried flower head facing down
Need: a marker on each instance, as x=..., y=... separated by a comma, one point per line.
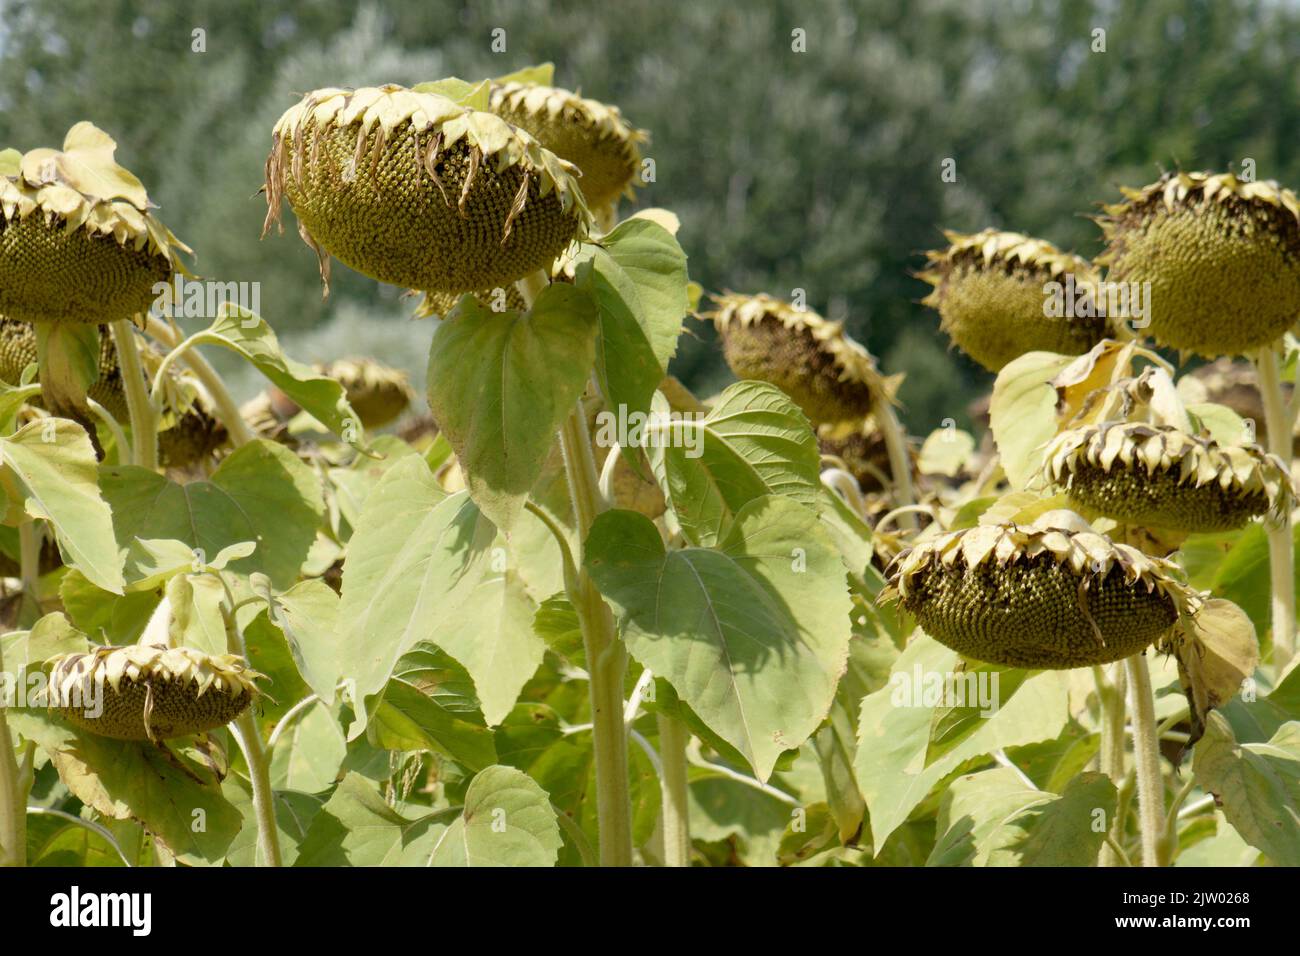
x=988, y=290
x=421, y=191
x=78, y=242
x=592, y=135
x=377, y=393
x=146, y=692
x=827, y=374
x=1159, y=477
x=1054, y=594
x=1222, y=257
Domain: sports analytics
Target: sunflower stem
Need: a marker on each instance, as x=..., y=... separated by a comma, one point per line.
x=1146, y=758
x=144, y=421
x=1110, y=697
x=1281, y=554
x=15, y=784
x=255, y=755
x=673, y=738
x=606, y=655
x=900, y=465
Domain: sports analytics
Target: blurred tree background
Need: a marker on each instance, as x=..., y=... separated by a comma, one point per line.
x=818, y=169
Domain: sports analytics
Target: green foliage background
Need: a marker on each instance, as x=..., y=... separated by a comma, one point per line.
x=816, y=170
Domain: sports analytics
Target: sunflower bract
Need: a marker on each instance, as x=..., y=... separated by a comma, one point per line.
x=417, y=190
x=1222, y=257
x=145, y=692
x=1046, y=596
x=1159, y=477
x=827, y=374
x=77, y=240
x=590, y=134
x=988, y=290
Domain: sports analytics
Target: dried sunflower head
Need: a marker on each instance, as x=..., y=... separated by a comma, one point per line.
x=194, y=436
x=1222, y=257
x=861, y=447
x=1054, y=594
x=590, y=134
x=418, y=190
x=988, y=290
x=376, y=392
x=147, y=692
x=78, y=242
x=1160, y=477
x=827, y=374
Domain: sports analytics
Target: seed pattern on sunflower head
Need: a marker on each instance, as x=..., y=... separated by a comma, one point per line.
x=1160, y=477
x=1222, y=257
x=1054, y=594
x=78, y=242
x=148, y=692
x=418, y=190
x=592, y=135
x=988, y=290
x=827, y=374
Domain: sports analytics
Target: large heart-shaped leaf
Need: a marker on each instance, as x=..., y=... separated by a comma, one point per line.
x=1258, y=785
x=262, y=493
x=754, y=442
x=417, y=556
x=994, y=818
x=356, y=827
x=896, y=722
x=507, y=821
x=752, y=636
x=124, y=779
x=55, y=476
x=502, y=383
x=637, y=275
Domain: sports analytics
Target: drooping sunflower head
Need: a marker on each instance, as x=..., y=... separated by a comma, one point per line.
x=1054, y=594
x=377, y=393
x=1222, y=257
x=989, y=292
x=592, y=135
x=861, y=447
x=419, y=190
x=827, y=374
x=1160, y=477
x=78, y=242
x=147, y=692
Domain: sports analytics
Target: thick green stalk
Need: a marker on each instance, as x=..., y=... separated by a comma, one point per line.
x=13, y=800
x=1110, y=694
x=900, y=465
x=606, y=655
x=673, y=738
x=259, y=773
x=1146, y=758
x=144, y=421
x=259, y=764
x=1281, y=556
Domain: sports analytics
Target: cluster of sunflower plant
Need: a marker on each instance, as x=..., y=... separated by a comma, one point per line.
x=329, y=627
